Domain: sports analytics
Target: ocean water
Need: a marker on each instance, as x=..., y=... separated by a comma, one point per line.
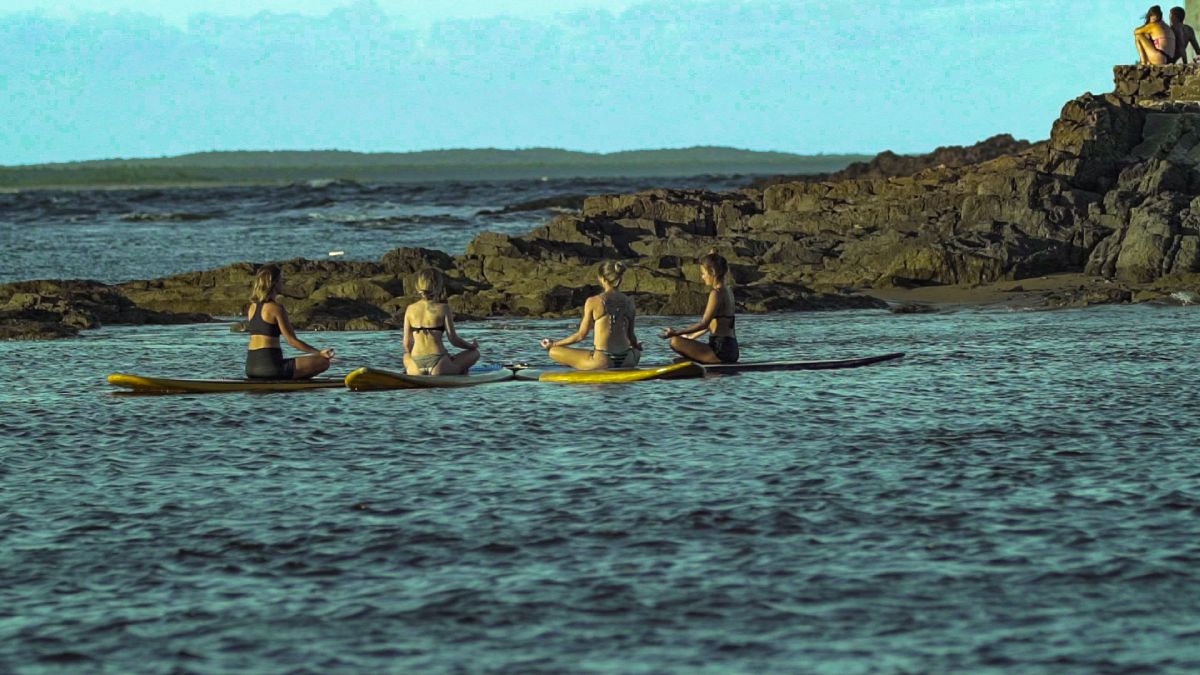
x=119, y=235
x=1021, y=493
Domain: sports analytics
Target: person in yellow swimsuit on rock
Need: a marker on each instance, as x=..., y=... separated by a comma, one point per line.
x=1155, y=40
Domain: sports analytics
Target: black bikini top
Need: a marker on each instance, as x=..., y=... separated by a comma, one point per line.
x=427, y=329
x=614, y=310
x=258, y=326
x=732, y=318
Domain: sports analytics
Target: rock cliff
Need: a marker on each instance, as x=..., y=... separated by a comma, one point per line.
x=1110, y=194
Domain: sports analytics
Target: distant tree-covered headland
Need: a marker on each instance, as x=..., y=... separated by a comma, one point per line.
x=222, y=168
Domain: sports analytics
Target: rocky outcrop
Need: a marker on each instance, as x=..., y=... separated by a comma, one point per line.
x=53, y=309
x=1114, y=194
x=1157, y=86
x=888, y=164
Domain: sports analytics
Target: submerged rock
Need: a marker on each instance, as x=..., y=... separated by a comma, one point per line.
x=166, y=217
x=560, y=203
x=33, y=325
x=912, y=308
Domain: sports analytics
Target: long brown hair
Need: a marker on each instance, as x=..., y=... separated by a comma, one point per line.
x=264, y=282
x=716, y=265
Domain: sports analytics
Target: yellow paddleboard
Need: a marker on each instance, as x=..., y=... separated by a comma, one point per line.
x=370, y=379
x=675, y=371
x=164, y=385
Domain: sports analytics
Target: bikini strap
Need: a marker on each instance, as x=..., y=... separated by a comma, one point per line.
x=606, y=304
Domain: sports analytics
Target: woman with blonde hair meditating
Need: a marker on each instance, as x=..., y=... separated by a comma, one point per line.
x=611, y=313
x=425, y=323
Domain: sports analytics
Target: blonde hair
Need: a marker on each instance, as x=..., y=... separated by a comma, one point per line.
x=612, y=271
x=265, y=282
x=431, y=284
x=716, y=265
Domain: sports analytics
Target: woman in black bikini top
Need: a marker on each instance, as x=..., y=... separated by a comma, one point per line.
x=268, y=321
x=718, y=320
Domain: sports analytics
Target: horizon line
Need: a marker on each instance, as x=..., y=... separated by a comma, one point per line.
x=485, y=148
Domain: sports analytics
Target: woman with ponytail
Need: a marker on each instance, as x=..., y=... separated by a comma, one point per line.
x=268, y=320
x=717, y=321
x=425, y=323
x=611, y=313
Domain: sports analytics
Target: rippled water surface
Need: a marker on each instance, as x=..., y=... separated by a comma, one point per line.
x=1020, y=493
x=118, y=235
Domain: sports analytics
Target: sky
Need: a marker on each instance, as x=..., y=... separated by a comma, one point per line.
x=92, y=79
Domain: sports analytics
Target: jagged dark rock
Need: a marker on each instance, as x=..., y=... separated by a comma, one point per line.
x=888, y=164
x=52, y=309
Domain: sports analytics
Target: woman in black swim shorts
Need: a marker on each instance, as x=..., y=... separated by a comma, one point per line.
x=268, y=320
x=718, y=320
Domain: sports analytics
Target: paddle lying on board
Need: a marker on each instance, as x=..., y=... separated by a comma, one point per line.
x=673, y=371
x=372, y=379
x=767, y=366
x=166, y=385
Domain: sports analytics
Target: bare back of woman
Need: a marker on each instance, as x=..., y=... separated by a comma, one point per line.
x=426, y=322
x=612, y=315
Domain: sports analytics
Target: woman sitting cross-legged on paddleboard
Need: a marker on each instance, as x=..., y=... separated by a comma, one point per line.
x=612, y=314
x=267, y=321
x=718, y=319
x=425, y=322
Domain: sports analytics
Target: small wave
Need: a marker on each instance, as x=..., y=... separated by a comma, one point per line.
x=166, y=217
x=390, y=222
x=315, y=203
x=63, y=658
x=560, y=204
x=325, y=183
x=1185, y=297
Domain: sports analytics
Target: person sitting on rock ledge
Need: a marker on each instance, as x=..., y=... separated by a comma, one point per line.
x=718, y=319
x=425, y=323
x=1184, y=35
x=612, y=314
x=1155, y=40
x=267, y=321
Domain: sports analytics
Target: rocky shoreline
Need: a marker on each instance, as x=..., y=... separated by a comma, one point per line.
x=1106, y=211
